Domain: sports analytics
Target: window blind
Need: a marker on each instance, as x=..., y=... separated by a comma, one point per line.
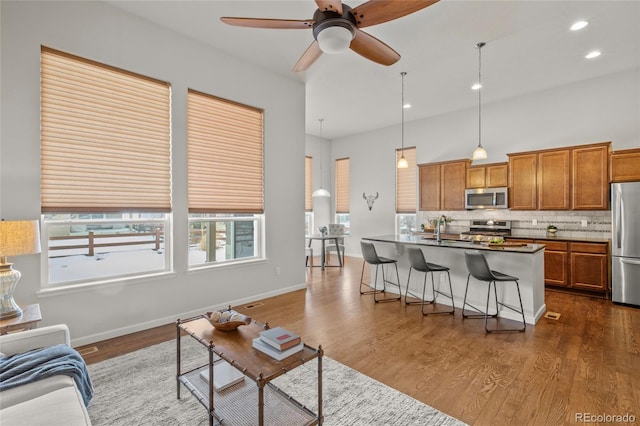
x=105, y=138
x=308, y=184
x=225, y=155
x=406, y=182
x=342, y=185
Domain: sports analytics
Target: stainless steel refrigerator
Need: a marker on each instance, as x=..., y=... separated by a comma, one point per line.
x=625, y=242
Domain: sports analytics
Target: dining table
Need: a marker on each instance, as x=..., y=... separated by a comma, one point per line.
x=323, y=238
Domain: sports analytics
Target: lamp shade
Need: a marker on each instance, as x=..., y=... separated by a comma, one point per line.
x=335, y=39
x=18, y=237
x=321, y=193
x=479, y=153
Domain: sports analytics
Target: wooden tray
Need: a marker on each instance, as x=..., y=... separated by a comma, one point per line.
x=506, y=244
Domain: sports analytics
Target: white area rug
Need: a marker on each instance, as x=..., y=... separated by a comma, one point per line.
x=140, y=389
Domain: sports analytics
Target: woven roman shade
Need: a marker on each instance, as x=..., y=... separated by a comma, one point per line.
x=225, y=158
x=308, y=184
x=406, y=182
x=342, y=185
x=106, y=138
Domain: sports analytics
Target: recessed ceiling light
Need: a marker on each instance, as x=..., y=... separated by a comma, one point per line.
x=579, y=25
x=406, y=105
x=593, y=54
x=476, y=86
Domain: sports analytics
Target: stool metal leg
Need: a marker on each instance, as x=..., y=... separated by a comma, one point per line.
x=384, y=285
x=480, y=314
x=372, y=290
x=433, y=289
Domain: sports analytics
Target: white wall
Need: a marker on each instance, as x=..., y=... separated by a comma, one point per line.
x=598, y=110
x=101, y=32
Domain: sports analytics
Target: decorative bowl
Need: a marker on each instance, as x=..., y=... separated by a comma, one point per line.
x=227, y=319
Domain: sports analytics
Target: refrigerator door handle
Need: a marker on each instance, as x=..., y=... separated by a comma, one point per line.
x=618, y=221
x=631, y=262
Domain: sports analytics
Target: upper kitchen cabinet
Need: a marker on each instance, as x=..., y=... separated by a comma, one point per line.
x=523, y=178
x=625, y=165
x=589, y=166
x=553, y=180
x=442, y=185
x=488, y=176
x=572, y=178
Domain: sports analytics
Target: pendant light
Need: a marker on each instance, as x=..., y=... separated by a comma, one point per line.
x=321, y=192
x=402, y=162
x=480, y=153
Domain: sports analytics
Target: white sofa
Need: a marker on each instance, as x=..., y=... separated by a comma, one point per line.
x=51, y=401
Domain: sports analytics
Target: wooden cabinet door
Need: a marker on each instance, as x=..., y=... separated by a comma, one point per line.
x=453, y=178
x=554, y=179
x=590, y=178
x=523, y=182
x=429, y=175
x=556, y=263
x=476, y=177
x=625, y=165
x=497, y=175
x=589, y=271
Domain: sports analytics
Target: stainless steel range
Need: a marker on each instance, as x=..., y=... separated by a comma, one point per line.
x=485, y=230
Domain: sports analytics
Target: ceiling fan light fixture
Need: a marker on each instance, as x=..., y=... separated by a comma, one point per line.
x=335, y=39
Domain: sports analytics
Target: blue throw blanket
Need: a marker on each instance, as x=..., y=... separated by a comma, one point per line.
x=20, y=369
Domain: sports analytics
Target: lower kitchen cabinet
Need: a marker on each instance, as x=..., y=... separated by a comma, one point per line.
x=575, y=265
x=556, y=262
x=589, y=266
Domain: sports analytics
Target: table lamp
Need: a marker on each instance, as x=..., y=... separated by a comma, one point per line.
x=16, y=238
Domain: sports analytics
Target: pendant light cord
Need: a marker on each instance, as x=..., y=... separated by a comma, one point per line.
x=479, y=46
x=402, y=109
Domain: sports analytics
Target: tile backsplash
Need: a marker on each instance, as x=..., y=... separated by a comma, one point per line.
x=569, y=223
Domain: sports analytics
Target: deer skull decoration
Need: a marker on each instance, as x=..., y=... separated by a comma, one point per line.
x=370, y=199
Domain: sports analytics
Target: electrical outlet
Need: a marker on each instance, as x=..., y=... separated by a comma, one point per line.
x=584, y=223
x=534, y=222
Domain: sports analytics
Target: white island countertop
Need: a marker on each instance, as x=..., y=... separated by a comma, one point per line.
x=526, y=262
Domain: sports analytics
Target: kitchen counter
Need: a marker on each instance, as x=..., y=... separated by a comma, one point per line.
x=560, y=238
x=454, y=243
x=526, y=263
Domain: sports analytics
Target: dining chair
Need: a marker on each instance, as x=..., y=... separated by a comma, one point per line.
x=479, y=269
x=335, y=229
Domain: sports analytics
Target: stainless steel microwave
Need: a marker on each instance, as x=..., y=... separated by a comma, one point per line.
x=486, y=198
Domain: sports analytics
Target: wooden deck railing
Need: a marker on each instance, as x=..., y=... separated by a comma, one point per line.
x=91, y=245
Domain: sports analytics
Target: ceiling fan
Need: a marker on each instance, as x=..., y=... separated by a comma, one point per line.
x=336, y=28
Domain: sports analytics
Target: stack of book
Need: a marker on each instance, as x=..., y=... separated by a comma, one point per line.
x=278, y=343
x=224, y=375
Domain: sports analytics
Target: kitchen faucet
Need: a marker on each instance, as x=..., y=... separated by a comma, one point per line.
x=441, y=219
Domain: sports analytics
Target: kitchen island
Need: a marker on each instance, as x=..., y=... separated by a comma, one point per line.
x=525, y=262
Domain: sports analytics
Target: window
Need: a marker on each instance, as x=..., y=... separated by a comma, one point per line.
x=342, y=193
x=406, y=192
x=308, y=198
x=106, y=171
x=225, y=172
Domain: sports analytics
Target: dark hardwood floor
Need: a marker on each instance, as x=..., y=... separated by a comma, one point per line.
x=587, y=361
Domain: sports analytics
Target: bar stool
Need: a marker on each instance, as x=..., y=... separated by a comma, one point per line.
x=371, y=257
x=417, y=261
x=479, y=269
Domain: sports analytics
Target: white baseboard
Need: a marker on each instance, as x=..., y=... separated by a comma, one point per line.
x=109, y=334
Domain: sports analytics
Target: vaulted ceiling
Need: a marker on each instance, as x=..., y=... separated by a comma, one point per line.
x=529, y=48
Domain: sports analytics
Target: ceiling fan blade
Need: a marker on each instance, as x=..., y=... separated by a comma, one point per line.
x=309, y=56
x=373, y=49
x=330, y=5
x=293, y=24
x=376, y=12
